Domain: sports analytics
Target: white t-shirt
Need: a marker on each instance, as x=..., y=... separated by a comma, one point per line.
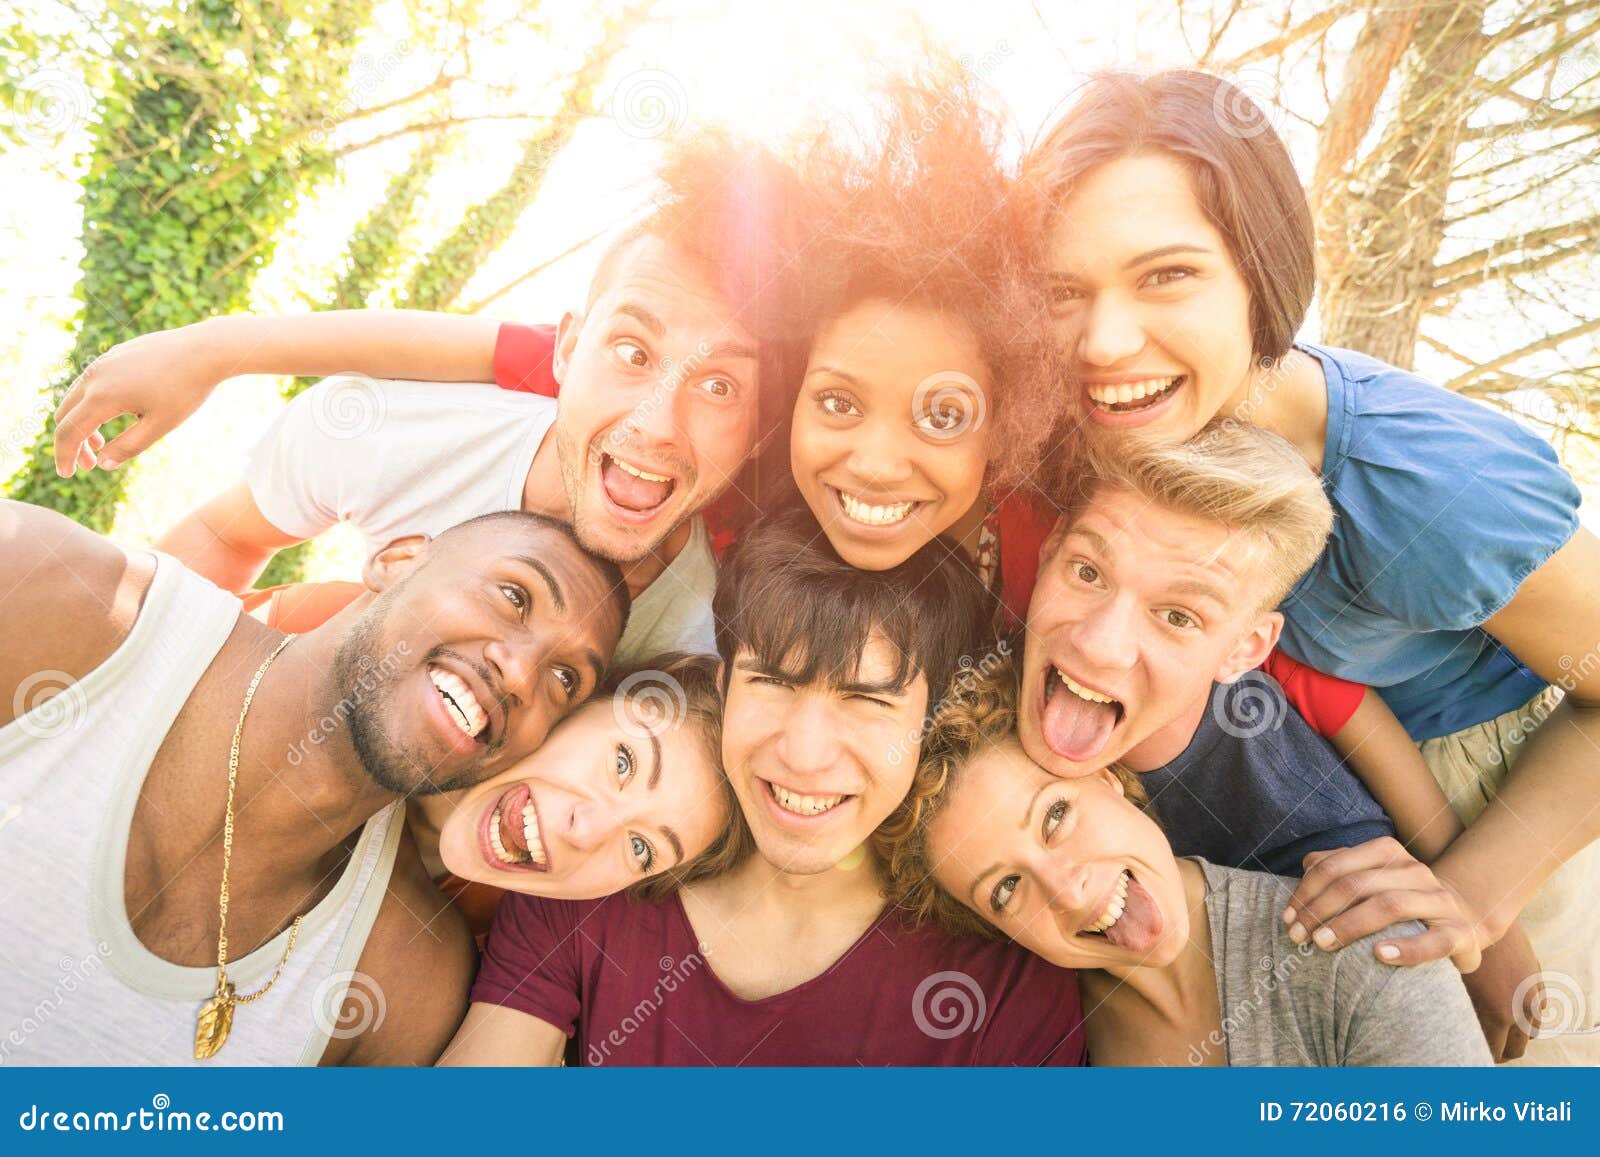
x=398, y=457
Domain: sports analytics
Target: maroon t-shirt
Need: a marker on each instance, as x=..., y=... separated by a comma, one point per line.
x=630, y=982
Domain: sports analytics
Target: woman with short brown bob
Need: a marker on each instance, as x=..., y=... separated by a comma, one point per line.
x=1182, y=961
x=1181, y=267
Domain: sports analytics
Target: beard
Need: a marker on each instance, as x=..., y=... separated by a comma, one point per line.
x=366, y=701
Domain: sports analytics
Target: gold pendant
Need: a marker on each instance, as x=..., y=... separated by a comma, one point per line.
x=213, y=1024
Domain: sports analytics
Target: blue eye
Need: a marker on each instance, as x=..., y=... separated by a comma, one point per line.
x=643, y=854
x=624, y=764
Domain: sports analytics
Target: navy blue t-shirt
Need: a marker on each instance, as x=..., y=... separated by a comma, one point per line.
x=1257, y=788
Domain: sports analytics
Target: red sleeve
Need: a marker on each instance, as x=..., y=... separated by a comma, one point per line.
x=524, y=359
x=1023, y=528
x=1324, y=701
x=530, y=962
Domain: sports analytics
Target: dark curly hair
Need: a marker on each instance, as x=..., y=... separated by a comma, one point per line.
x=924, y=211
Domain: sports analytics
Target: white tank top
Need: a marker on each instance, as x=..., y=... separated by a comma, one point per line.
x=76, y=984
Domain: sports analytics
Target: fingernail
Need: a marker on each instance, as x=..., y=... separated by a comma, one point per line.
x=1388, y=951
x=1323, y=937
x=1288, y=915
x=109, y=463
x=1298, y=933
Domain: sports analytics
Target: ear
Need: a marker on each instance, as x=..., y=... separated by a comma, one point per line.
x=388, y=566
x=566, y=340
x=1114, y=780
x=1252, y=648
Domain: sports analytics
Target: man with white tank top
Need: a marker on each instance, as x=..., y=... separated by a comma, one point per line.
x=195, y=809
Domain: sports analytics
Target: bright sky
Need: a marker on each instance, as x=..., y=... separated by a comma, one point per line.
x=763, y=69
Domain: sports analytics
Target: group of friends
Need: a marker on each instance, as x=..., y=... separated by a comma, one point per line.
x=921, y=609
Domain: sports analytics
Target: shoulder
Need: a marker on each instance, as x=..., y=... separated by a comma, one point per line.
x=414, y=973
x=351, y=406
x=53, y=570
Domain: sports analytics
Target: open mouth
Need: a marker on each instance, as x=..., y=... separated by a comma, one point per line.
x=633, y=490
x=1131, y=397
x=1128, y=916
x=805, y=806
x=871, y=514
x=461, y=704
x=512, y=835
x=1077, y=720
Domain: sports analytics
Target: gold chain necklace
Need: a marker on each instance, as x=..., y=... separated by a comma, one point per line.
x=216, y=1015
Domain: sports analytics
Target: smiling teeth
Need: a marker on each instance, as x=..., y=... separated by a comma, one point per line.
x=628, y=468
x=530, y=835
x=1131, y=391
x=464, y=707
x=494, y=841
x=805, y=805
x=1113, y=912
x=1081, y=691
x=874, y=515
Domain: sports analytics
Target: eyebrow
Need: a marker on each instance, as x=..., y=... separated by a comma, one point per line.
x=837, y=373
x=732, y=349
x=1033, y=803
x=677, y=844
x=644, y=317
x=545, y=573
x=1098, y=542
x=1196, y=587
x=655, y=756
x=1165, y=251
x=982, y=876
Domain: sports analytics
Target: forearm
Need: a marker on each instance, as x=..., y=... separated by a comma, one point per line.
x=200, y=548
x=416, y=344
x=1377, y=749
x=1547, y=811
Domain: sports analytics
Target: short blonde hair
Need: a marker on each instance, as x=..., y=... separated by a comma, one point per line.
x=981, y=713
x=1231, y=472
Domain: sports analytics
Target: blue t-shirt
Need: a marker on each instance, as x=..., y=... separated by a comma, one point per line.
x=1442, y=507
x=1257, y=788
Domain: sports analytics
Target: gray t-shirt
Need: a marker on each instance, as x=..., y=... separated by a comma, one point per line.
x=1283, y=1004
x=396, y=458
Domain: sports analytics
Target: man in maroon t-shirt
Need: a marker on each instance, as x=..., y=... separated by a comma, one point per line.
x=784, y=953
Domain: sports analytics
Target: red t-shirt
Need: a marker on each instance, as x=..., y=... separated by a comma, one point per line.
x=627, y=981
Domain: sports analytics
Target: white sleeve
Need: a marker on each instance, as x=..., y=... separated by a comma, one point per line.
x=305, y=472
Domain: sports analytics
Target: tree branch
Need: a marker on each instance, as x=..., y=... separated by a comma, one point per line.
x=1549, y=341
x=1278, y=45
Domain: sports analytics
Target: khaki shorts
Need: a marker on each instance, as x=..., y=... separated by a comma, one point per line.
x=1563, y=919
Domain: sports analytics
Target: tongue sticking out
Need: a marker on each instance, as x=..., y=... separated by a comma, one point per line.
x=1140, y=925
x=1074, y=728
x=511, y=805
x=630, y=491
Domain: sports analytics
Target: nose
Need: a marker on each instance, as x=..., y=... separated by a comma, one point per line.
x=584, y=824
x=1111, y=332
x=1104, y=635
x=1070, y=882
x=876, y=458
x=805, y=742
x=520, y=661
x=659, y=419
